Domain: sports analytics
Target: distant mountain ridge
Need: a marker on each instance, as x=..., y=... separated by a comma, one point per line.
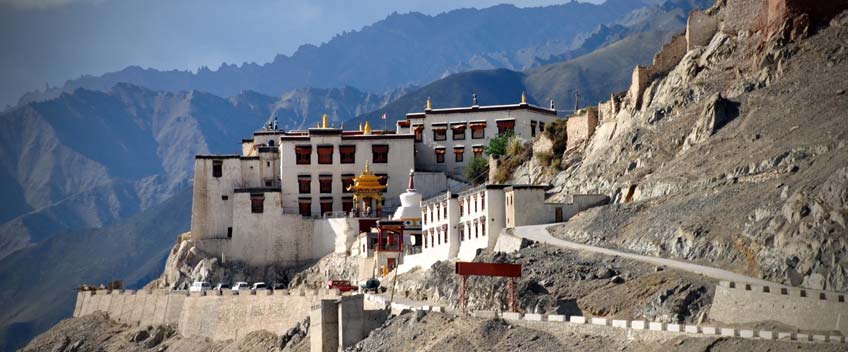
x=402, y=49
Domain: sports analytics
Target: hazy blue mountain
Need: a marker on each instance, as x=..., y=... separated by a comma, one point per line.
x=402, y=49
x=39, y=281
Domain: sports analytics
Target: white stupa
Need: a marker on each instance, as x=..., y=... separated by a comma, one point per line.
x=410, y=205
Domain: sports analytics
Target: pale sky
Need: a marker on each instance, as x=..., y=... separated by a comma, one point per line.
x=51, y=41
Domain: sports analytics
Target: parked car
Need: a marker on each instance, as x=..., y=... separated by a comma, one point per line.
x=241, y=285
x=372, y=285
x=341, y=285
x=220, y=287
x=199, y=286
x=279, y=286
x=259, y=286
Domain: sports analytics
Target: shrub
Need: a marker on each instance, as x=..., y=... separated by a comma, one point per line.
x=545, y=158
x=497, y=145
x=514, y=147
x=556, y=132
x=477, y=171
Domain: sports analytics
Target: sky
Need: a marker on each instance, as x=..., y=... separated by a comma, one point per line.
x=50, y=41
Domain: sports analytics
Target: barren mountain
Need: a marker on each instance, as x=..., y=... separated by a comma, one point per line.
x=735, y=158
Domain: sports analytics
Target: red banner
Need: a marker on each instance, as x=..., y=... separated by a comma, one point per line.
x=488, y=269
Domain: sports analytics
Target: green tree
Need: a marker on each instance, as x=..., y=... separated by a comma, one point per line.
x=477, y=171
x=497, y=145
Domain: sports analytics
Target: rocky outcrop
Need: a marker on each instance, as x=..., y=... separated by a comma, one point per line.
x=735, y=157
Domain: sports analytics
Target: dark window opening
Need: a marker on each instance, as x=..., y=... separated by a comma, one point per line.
x=383, y=178
x=478, y=131
x=347, y=181
x=304, y=206
x=458, y=132
x=257, y=203
x=440, y=133
x=532, y=128
x=347, y=204
x=380, y=154
x=458, y=153
x=271, y=143
x=326, y=205
x=304, y=184
x=268, y=183
x=303, y=154
x=325, y=154
x=325, y=183
x=419, y=134
x=507, y=126
x=347, y=154
x=478, y=152
x=225, y=197
x=229, y=232
x=217, y=168
x=440, y=156
x=268, y=163
x=541, y=127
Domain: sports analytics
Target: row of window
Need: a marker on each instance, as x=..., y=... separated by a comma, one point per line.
x=458, y=153
x=440, y=210
x=533, y=127
x=325, y=183
x=304, y=205
x=347, y=154
x=478, y=130
x=439, y=235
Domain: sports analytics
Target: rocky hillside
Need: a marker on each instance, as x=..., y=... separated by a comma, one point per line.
x=735, y=156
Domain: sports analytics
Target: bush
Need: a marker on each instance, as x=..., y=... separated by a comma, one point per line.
x=514, y=147
x=556, y=132
x=477, y=171
x=545, y=158
x=497, y=146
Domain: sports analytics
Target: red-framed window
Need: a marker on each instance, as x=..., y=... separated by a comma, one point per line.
x=505, y=126
x=440, y=133
x=380, y=153
x=217, y=168
x=478, y=130
x=458, y=132
x=304, y=184
x=325, y=183
x=325, y=154
x=347, y=204
x=458, y=154
x=304, y=206
x=347, y=154
x=257, y=203
x=347, y=181
x=326, y=205
x=440, y=155
x=303, y=154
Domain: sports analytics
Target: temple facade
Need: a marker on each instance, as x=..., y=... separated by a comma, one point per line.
x=448, y=139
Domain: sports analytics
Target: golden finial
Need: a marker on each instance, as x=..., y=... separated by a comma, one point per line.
x=429, y=106
x=523, y=98
x=324, y=121
x=367, y=171
x=360, y=127
x=367, y=128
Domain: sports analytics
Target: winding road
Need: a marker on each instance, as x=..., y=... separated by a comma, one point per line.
x=539, y=233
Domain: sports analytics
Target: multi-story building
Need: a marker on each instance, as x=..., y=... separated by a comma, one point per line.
x=448, y=139
x=458, y=226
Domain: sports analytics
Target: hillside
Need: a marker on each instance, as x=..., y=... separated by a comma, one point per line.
x=402, y=49
x=735, y=158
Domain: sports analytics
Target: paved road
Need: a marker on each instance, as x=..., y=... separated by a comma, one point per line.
x=540, y=233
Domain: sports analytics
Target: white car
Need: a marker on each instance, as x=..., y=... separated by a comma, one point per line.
x=259, y=286
x=199, y=286
x=241, y=285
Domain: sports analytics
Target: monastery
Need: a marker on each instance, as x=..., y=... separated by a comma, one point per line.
x=292, y=197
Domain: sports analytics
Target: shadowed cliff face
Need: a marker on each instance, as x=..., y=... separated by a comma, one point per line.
x=736, y=158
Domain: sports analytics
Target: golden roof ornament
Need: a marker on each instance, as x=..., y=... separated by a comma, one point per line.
x=324, y=121
x=367, y=182
x=523, y=98
x=429, y=106
x=367, y=131
x=360, y=127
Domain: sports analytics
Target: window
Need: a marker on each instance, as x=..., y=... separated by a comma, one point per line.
x=271, y=143
x=445, y=232
x=347, y=154
x=303, y=154
x=438, y=212
x=268, y=163
x=217, y=168
x=225, y=197
x=458, y=153
x=326, y=205
x=532, y=128
x=461, y=206
x=445, y=211
x=304, y=206
x=383, y=179
x=325, y=183
x=380, y=154
x=325, y=154
x=347, y=204
x=304, y=183
x=458, y=132
x=478, y=130
x=347, y=181
x=424, y=217
x=478, y=151
x=475, y=203
x=476, y=229
x=505, y=126
x=483, y=226
x=461, y=233
x=483, y=201
x=439, y=236
x=440, y=133
x=419, y=133
x=541, y=127
x=229, y=232
x=257, y=203
x=440, y=155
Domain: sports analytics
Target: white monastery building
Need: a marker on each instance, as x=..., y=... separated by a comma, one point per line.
x=447, y=139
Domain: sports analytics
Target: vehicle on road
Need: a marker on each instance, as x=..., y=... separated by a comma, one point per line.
x=259, y=286
x=341, y=285
x=371, y=285
x=241, y=285
x=199, y=286
x=220, y=287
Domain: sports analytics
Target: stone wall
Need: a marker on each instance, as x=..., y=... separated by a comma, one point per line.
x=214, y=315
x=812, y=310
x=581, y=127
x=700, y=28
x=143, y=307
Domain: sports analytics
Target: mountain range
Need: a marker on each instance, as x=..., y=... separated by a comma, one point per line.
x=100, y=161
